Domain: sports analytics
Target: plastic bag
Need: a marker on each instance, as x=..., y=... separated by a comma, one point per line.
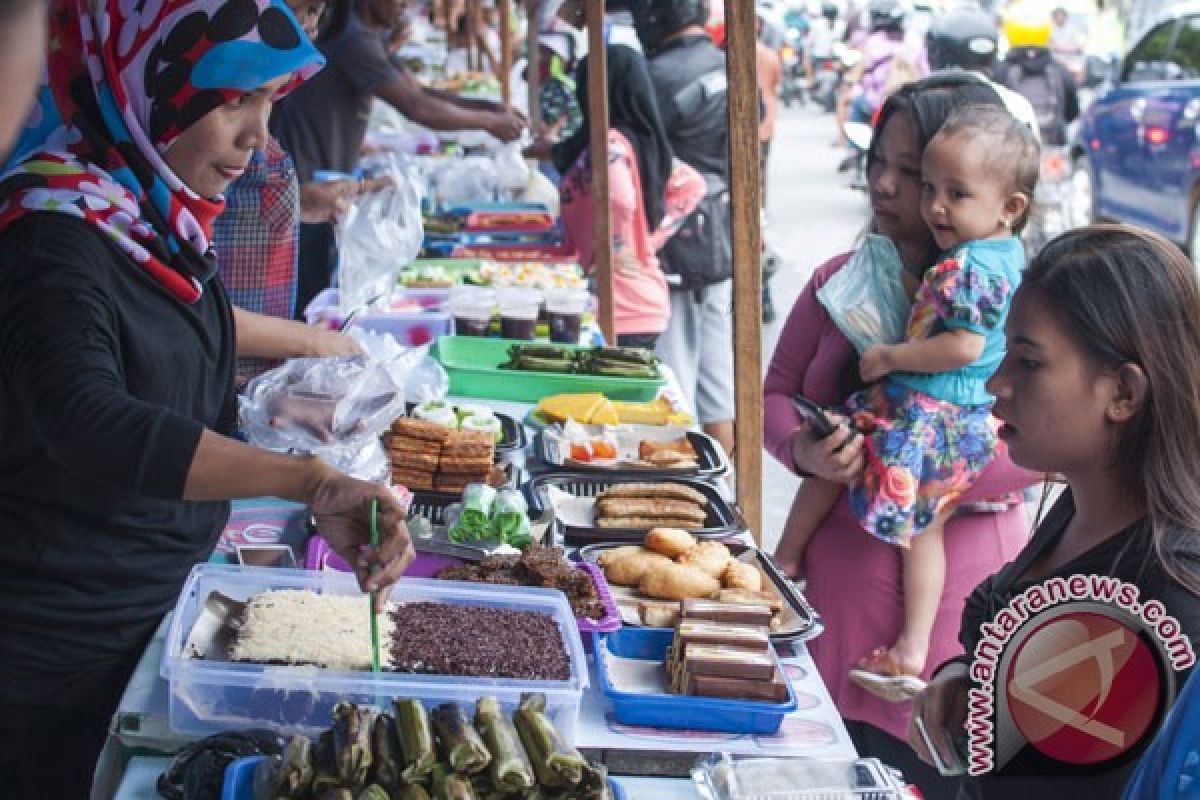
x=866, y=297
x=335, y=408
x=468, y=180
x=381, y=232
x=512, y=173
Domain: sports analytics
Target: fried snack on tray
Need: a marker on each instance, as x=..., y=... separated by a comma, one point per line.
x=747, y=597
x=658, y=614
x=649, y=507
x=424, y=462
x=740, y=575
x=420, y=429
x=671, y=542
x=711, y=558
x=673, y=491
x=609, y=556
x=645, y=523
x=674, y=581
x=667, y=460
x=630, y=568
x=681, y=448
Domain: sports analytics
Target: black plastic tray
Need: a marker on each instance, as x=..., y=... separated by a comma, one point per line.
x=723, y=518
x=709, y=456
x=512, y=432
x=808, y=624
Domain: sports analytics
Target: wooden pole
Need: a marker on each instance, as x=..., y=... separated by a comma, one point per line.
x=472, y=50
x=533, y=75
x=506, y=52
x=745, y=204
x=598, y=149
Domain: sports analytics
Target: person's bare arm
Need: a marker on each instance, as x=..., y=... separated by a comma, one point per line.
x=950, y=350
x=224, y=469
x=260, y=336
x=408, y=97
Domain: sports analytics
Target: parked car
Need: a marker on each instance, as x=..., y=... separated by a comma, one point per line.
x=1137, y=152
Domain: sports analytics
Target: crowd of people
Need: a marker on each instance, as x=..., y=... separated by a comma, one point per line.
x=163, y=218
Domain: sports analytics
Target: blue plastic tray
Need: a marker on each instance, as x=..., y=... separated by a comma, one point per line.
x=675, y=710
x=239, y=781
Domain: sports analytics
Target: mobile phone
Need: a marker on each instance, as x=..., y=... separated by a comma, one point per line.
x=266, y=555
x=822, y=425
x=959, y=766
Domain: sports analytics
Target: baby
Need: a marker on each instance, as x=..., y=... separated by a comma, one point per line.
x=926, y=417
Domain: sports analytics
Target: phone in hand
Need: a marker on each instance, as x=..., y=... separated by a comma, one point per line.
x=822, y=426
x=957, y=767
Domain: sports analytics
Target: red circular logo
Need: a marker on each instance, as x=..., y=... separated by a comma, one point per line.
x=1084, y=688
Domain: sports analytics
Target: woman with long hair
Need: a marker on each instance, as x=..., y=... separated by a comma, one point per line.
x=1100, y=385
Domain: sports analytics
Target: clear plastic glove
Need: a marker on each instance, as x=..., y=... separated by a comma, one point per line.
x=838, y=457
x=342, y=507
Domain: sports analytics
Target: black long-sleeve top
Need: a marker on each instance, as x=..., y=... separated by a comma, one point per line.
x=106, y=384
x=1129, y=556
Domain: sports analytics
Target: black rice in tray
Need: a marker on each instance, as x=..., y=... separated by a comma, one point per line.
x=477, y=641
x=538, y=566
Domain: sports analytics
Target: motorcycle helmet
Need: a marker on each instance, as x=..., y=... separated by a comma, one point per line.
x=655, y=20
x=829, y=11
x=965, y=37
x=887, y=15
x=1028, y=24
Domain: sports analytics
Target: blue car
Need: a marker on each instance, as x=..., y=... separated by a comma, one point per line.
x=1137, y=153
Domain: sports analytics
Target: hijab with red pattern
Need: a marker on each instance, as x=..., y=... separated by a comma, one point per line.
x=124, y=79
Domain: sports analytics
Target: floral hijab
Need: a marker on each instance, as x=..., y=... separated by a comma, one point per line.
x=124, y=78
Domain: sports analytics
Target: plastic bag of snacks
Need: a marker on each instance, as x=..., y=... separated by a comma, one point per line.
x=866, y=297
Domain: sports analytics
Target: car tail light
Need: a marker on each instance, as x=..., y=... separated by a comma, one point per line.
x=1156, y=135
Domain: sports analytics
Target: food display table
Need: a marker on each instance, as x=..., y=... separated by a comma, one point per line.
x=648, y=762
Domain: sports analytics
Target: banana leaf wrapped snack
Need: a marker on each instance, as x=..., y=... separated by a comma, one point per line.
x=473, y=520
x=554, y=761
x=374, y=792
x=388, y=762
x=288, y=776
x=352, y=743
x=414, y=791
x=449, y=786
x=416, y=740
x=460, y=743
x=510, y=770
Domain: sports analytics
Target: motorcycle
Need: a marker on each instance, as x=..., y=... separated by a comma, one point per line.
x=1050, y=212
x=829, y=75
x=794, y=78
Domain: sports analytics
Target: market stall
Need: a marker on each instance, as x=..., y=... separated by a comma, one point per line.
x=560, y=480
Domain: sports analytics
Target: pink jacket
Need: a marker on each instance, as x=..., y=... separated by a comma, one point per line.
x=854, y=579
x=641, y=298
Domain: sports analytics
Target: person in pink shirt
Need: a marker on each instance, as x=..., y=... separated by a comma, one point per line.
x=853, y=579
x=650, y=194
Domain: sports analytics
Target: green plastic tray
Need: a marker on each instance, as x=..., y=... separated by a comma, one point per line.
x=473, y=366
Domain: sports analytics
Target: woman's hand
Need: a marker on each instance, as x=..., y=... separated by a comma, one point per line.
x=325, y=201
x=837, y=458
x=342, y=506
x=942, y=708
x=876, y=362
x=504, y=125
x=324, y=343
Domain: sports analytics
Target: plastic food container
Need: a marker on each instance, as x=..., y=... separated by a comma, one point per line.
x=724, y=778
x=427, y=565
x=472, y=307
x=663, y=710
x=473, y=365
x=239, y=780
x=409, y=328
x=211, y=696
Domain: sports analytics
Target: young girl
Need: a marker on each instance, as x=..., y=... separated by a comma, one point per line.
x=927, y=420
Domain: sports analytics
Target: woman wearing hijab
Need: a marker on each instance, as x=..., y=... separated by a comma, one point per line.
x=117, y=360
x=650, y=194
